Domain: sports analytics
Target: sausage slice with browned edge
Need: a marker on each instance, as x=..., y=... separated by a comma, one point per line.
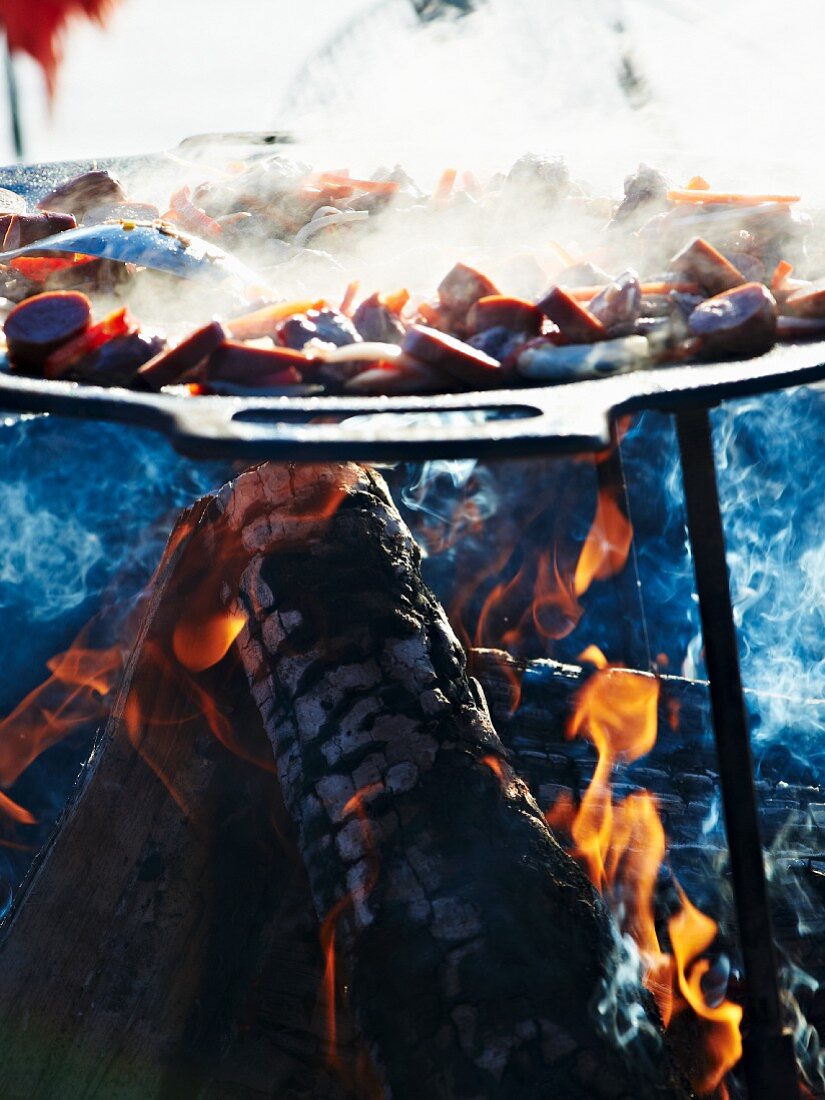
x=576, y=324
x=740, y=322
x=453, y=356
x=38, y=326
x=174, y=364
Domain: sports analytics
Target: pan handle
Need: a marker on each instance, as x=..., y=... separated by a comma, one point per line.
x=457, y=426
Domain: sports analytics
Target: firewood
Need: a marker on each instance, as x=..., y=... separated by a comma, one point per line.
x=475, y=950
x=164, y=944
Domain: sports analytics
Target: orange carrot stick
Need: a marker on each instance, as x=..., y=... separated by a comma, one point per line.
x=377, y=187
x=783, y=270
x=444, y=187
x=732, y=198
x=349, y=297
x=395, y=301
x=587, y=293
x=263, y=322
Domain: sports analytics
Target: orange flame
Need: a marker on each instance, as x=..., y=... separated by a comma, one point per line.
x=691, y=934
x=199, y=642
x=607, y=544
x=543, y=596
x=622, y=846
x=329, y=926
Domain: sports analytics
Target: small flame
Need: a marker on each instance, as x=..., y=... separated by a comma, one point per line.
x=622, y=846
x=607, y=544
x=329, y=925
x=201, y=642
x=691, y=934
x=74, y=695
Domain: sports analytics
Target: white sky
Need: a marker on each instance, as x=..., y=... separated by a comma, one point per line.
x=734, y=81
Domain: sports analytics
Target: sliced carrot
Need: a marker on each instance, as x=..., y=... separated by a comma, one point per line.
x=697, y=183
x=649, y=290
x=375, y=187
x=38, y=268
x=733, y=198
x=783, y=270
x=444, y=187
x=262, y=322
x=395, y=301
x=349, y=297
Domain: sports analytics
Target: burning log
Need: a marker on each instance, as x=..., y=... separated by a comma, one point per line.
x=146, y=953
x=168, y=939
x=476, y=951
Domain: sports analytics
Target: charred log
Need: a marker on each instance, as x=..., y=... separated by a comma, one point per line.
x=165, y=944
x=478, y=954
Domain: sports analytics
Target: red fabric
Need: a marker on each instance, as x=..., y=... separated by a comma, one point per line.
x=36, y=27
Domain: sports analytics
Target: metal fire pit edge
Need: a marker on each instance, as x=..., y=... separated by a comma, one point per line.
x=569, y=418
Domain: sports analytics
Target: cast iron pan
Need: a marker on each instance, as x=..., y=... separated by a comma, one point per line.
x=567, y=418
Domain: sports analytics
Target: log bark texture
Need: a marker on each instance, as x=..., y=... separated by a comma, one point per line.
x=164, y=945
x=480, y=960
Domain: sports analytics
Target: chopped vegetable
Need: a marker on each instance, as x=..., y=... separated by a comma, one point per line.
x=731, y=198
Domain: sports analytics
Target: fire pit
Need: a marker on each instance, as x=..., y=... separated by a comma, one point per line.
x=276, y=603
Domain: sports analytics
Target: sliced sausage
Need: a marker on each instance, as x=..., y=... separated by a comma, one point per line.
x=700, y=262
x=375, y=321
x=455, y=357
x=260, y=367
x=116, y=363
x=807, y=301
x=18, y=230
x=81, y=193
x=576, y=324
x=501, y=311
x=461, y=288
x=740, y=322
x=38, y=326
x=174, y=364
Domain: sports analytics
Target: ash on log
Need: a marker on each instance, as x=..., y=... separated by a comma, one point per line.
x=476, y=951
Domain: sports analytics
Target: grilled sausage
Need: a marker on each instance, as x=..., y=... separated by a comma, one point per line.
x=740, y=322
x=38, y=326
x=259, y=367
x=500, y=311
x=701, y=263
x=173, y=365
x=77, y=195
x=453, y=356
x=461, y=288
x=576, y=324
x=18, y=230
x=807, y=301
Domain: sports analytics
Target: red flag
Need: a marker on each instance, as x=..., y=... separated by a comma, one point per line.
x=36, y=27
